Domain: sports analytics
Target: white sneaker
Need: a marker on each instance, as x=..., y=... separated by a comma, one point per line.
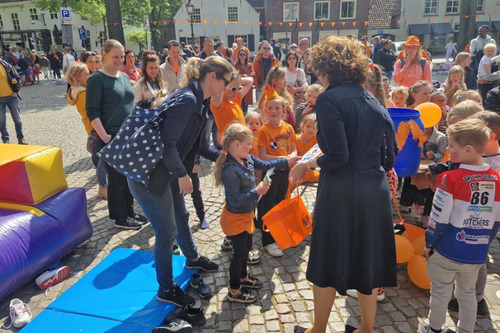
x=274, y=250
x=20, y=313
x=51, y=278
x=380, y=294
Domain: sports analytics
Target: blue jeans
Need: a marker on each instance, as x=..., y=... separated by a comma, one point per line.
x=169, y=218
x=100, y=171
x=15, y=112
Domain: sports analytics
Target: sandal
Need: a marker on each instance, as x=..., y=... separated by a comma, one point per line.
x=242, y=296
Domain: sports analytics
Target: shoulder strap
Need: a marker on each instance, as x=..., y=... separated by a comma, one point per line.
x=422, y=63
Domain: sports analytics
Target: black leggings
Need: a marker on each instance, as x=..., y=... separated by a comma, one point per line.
x=242, y=244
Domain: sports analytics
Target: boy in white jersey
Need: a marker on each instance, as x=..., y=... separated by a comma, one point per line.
x=464, y=219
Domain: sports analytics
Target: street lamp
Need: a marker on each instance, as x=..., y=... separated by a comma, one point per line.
x=190, y=11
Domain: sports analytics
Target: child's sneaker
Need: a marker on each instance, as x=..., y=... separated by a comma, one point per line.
x=227, y=245
x=197, y=284
x=274, y=250
x=177, y=325
x=251, y=283
x=20, y=313
x=254, y=258
x=380, y=294
x=416, y=211
x=51, y=278
x=242, y=296
x=204, y=224
x=424, y=328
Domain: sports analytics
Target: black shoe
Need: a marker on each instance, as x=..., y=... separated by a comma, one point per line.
x=349, y=329
x=242, y=296
x=482, y=308
x=128, y=224
x=299, y=329
x=202, y=263
x=227, y=245
x=139, y=218
x=176, y=250
x=176, y=325
x=197, y=284
x=453, y=305
x=22, y=142
x=251, y=283
x=174, y=295
x=193, y=314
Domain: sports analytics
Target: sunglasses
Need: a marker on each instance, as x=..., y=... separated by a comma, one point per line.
x=266, y=48
x=220, y=77
x=293, y=47
x=243, y=54
x=235, y=89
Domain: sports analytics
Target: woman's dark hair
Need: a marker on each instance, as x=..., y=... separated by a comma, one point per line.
x=86, y=55
x=147, y=57
x=288, y=55
x=247, y=57
x=127, y=52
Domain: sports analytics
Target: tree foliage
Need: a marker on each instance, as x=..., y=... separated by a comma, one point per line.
x=93, y=10
x=137, y=36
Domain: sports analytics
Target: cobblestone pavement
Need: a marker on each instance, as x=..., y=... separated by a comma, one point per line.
x=286, y=298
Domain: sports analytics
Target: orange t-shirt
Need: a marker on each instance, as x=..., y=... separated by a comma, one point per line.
x=277, y=139
x=228, y=113
x=176, y=68
x=233, y=224
x=302, y=148
x=255, y=145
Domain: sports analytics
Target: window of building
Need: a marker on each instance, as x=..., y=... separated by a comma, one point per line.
x=53, y=16
x=322, y=10
x=480, y=6
x=232, y=14
x=290, y=12
x=196, y=15
x=452, y=6
x=347, y=9
x=15, y=21
x=33, y=14
x=430, y=7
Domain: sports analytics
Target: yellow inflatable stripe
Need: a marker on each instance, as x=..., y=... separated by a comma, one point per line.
x=9, y=153
x=21, y=208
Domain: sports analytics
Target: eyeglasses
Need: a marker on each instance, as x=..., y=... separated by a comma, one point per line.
x=266, y=48
x=243, y=54
x=235, y=89
x=293, y=47
x=220, y=77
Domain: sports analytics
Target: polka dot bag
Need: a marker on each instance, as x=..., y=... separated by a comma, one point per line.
x=137, y=147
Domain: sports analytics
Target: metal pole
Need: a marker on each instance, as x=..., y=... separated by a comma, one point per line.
x=192, y=31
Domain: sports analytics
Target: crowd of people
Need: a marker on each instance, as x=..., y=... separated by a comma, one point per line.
x=334, y=94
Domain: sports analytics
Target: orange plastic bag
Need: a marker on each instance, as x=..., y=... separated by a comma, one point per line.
x=289, y=222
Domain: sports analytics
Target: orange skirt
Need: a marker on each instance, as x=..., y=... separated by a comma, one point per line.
x=233, y=224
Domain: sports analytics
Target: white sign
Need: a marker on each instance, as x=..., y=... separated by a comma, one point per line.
x=65, y=15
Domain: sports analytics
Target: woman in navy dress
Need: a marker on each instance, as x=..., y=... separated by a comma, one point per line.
x=352, y=244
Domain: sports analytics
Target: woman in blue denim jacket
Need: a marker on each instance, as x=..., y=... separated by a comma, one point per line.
x=235, y=169
x=163, y=200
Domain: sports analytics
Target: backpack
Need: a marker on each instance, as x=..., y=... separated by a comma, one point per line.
x=422, y=63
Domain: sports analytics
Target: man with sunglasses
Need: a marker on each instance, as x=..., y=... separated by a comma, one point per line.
x=262, y=65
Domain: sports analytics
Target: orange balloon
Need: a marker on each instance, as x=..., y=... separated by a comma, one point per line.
x=419, y=245
x=417, y=271
x=404, y=249
x=430, y=113
x=413, y=232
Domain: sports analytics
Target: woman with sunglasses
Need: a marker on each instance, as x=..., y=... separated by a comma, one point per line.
x=245, y=69
x=296, y=82
x=163, y=200
x=130, y=68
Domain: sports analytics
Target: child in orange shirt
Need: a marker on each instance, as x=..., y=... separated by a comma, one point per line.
x=253, y=121
x=226, y=107
x=305, y=141
x=234, y=170
x=276, y=141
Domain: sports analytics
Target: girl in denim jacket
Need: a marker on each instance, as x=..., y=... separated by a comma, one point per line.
x=235, y=170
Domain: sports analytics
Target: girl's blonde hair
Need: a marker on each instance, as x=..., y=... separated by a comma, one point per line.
x=197, y=69
x=253, y=115
x=415, y=89
x=449, y=93
x=466, y=95
x=111, y=44
x=490, y=46
x=234, y=132
x=315, y=88
x=308, y=117
x=403, y=90
x=74, y=71
x=461, y=57
x=463, y=110
x=275, y=73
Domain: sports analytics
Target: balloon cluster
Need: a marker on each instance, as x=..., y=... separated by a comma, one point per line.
x=410, y=248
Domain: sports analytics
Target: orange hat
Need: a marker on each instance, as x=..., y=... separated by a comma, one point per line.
x=269, y=93
x=412, y=41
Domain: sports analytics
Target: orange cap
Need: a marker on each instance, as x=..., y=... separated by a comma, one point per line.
x=412, y=41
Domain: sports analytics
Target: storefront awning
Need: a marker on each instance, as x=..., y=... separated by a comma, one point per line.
x=419, y=29
x=495, y=26
x=441, y=28
x=480, y=23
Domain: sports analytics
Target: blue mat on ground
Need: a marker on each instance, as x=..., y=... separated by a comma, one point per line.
x=118, y=295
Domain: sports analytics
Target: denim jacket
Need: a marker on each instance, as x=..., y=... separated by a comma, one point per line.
x=239, y=182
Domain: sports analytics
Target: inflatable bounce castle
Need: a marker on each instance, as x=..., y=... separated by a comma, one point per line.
x=41, y=219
